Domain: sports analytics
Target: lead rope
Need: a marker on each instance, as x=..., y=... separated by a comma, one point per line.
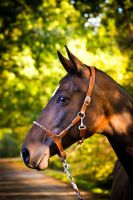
x=66, y=166
x=67, y=170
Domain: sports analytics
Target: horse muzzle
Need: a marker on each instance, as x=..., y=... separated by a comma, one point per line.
x=36, y=159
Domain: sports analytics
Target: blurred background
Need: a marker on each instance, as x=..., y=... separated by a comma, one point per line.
x=99, y=32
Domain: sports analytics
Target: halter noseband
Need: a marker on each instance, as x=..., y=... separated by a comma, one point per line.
x=80, y=116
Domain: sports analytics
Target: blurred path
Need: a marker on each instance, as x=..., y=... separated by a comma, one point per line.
x=20, y=183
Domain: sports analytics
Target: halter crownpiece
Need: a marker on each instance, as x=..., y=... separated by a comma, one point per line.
x=80, y=117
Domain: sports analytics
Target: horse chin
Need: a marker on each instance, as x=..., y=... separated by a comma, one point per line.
x=43, y=164
x=44, y=159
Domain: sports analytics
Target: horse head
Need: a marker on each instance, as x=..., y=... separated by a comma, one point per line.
x=62, y=108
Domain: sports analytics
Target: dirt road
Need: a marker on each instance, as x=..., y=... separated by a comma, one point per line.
x=20, y=183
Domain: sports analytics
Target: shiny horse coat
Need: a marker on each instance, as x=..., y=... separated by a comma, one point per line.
x=110, y=113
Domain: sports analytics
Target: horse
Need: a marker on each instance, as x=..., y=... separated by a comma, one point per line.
x=87, y=101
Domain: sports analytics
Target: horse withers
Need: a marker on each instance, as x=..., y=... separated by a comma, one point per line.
x=109, y=111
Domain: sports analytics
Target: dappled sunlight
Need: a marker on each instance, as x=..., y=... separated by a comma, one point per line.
x=17, y=182
x=113, y=63
x=16, y=33
x=121, y=122
x=25, y=60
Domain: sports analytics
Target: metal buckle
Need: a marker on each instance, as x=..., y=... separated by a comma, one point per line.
x=82, y=116
x=87, y=100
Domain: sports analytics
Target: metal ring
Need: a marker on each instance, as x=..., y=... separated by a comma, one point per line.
x=81, y=114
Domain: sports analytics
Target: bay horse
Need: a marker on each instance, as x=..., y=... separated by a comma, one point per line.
x=89, y=100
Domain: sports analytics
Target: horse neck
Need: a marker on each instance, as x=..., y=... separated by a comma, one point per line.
x=119, y=114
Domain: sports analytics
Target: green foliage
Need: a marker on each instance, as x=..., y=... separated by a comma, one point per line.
x=100, y=33
x=9, y=146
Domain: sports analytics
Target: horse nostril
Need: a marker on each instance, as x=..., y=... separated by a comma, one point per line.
x=26, y=155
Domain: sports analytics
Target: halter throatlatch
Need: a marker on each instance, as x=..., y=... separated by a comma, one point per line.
x=79, y=118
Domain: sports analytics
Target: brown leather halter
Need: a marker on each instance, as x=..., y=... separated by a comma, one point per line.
x=80, y=116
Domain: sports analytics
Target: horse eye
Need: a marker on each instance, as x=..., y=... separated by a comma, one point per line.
x=62, y=99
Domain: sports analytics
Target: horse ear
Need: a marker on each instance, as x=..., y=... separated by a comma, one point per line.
x=76, y=63
x=65, y=62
